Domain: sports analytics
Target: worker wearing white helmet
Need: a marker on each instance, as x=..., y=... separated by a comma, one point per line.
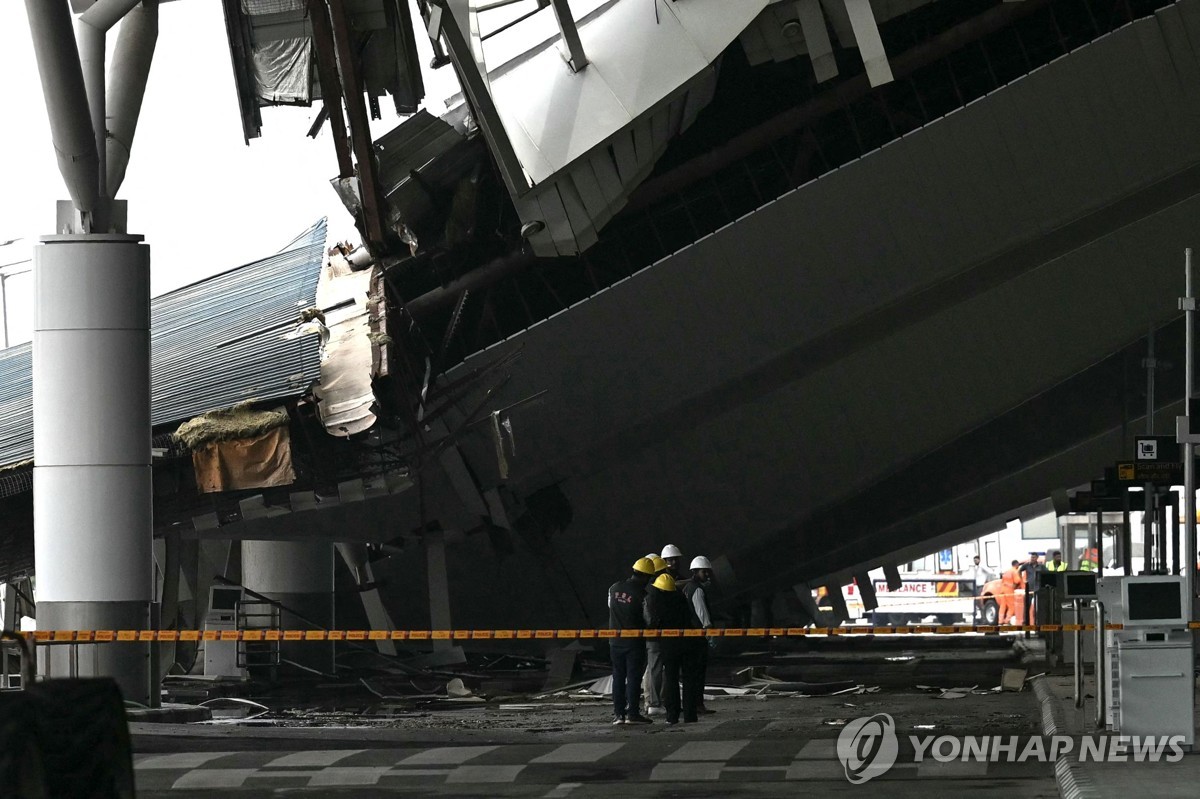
x=673, y=556
x=695, y=660
x=653, y=681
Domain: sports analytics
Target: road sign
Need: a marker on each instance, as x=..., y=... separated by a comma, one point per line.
x=1160, y=472
x=1156, y=448
x=1084, y=502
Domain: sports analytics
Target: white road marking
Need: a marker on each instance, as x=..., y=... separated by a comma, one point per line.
x=815, y=770
x=755, y=768
x=214, y=778
x=562, y=789
x=686, y=772
x=484, y=774
x=180, y=760
x=445, y=755
x=820, y=749
x=317, y=757
x=578, y=753
x=348, y=775
x=707, y=750
x=418, y=772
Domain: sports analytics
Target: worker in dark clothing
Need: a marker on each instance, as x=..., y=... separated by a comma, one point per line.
x=695, y=656
x=666, y=609
x=1029, y=571
x=627, y=611
x=652, y=683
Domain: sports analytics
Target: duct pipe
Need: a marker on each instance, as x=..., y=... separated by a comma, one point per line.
x=92, y=502
x=66, y=100
x=130, y=71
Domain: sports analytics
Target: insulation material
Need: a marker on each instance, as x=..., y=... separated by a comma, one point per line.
x=260, y=461
x=283, y=71
x=344, y=393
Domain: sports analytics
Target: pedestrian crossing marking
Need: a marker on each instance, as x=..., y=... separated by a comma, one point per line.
x=348, y=775
x=686, y=772
x=317, y=757
x=180, y=760
x=446, y=755
x=707, y=750
x=821, y=749
x=214, y=778
x=484, y=774
x=578, y=753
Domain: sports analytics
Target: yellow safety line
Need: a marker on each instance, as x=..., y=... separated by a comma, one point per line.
x=145, y=636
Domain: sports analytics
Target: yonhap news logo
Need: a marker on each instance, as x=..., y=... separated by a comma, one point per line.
x=869, y=747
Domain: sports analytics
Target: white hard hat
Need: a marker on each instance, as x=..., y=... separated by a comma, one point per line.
x=653, y=555
x=671, y=551
x=700, y=562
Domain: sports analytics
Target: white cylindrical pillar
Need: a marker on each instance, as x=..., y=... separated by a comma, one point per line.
x=93, y=515
x=299, y=576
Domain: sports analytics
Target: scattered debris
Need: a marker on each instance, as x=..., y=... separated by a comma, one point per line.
x=835, y=722
x=456, y=688
x=1013, y=679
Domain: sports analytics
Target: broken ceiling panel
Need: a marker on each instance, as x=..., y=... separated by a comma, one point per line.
x=271, y=46
x=345, y=397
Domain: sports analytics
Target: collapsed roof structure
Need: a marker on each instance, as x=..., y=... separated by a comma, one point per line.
x=807, y=287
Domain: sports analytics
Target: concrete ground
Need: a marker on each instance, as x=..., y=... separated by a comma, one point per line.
x=769, y=745
x=1115, y=779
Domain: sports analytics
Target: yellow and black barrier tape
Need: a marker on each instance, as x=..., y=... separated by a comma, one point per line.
x=172, y=636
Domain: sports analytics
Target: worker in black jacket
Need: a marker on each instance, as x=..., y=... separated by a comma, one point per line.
x=626, y=611
x=666, y=609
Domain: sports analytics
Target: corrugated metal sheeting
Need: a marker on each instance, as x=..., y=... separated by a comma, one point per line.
x=213, y=344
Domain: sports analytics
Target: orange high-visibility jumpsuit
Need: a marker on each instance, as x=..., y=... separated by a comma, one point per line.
x=1007, y=598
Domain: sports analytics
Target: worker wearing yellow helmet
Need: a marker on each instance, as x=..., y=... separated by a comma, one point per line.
x=627, y=611
x=652, y=684
x=666, y=609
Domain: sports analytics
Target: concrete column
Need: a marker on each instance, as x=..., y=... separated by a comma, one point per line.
x=439, y=584
x=298, y=575
x=92, y=504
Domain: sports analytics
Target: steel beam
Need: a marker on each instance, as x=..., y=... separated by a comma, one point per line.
x=575, y=56
x=360, y=130
x=331, y=93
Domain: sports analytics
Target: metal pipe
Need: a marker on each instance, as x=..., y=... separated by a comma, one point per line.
x=66, y=101
x=1100, y=670
x=127, y=88
x=474, y=280
x=1189, y=448
x=1078, y=606
x=91, y=59
x=1176, y=561
x=1150, y=540
x=103, y=14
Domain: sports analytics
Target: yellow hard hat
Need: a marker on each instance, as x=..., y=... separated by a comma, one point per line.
x=659, y=564
x=644, y=565
x=664, y=582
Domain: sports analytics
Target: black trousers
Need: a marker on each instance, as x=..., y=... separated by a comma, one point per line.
x=695, y=661
x=671, y=653
x=628, y=664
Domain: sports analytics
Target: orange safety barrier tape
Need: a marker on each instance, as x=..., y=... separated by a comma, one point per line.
x=52, y=637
